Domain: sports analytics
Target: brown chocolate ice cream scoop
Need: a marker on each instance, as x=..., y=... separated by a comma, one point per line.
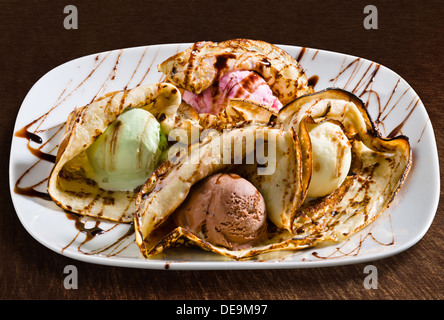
x=224, y=209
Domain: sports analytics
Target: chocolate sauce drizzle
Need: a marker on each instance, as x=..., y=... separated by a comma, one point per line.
x=303, y=51
x=111, y=76
x=313, y=80
x=137, y=67
x=31, y=190
x=109, y=250
x=340, y=252
x=364, y=87
x=33, y=137
x=148, y=69
x=301, y=54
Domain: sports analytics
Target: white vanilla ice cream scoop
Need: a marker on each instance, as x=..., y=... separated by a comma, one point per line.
x=331, y=152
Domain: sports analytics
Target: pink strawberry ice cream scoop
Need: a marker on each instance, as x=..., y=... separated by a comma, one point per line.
x=224, y=210
x=236, y=84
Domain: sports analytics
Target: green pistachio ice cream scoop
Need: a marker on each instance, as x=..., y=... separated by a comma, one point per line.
x=128, y=151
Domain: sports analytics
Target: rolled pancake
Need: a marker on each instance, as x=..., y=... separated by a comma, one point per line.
x=200, y=66
x=170, y=184
x=378, y=169
x=68, y=184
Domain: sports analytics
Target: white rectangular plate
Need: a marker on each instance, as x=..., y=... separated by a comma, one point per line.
x=392, y=104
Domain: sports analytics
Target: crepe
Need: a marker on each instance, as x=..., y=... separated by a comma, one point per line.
x=200, y=66
x=379, y=166
x=169, y=185
x=69, y=185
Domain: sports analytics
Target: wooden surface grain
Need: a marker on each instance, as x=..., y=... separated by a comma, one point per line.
x=409, y=40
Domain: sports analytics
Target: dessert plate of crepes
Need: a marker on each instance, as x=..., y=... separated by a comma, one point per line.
x=237, y=154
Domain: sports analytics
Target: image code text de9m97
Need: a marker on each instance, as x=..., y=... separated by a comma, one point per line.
x=242, y=309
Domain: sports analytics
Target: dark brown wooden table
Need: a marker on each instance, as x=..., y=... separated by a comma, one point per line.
x=409, y=40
